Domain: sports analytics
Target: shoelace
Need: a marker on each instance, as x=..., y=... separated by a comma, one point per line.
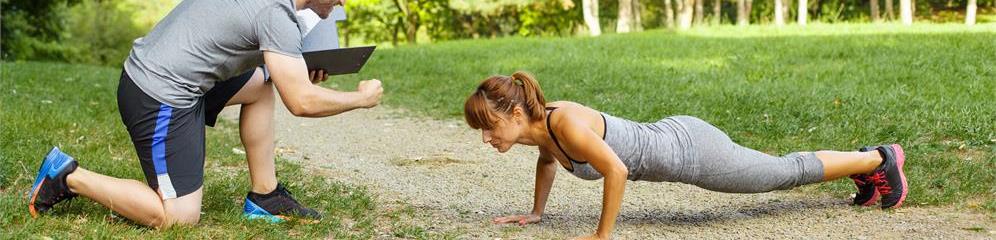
x=881, y=182
x=860, y=179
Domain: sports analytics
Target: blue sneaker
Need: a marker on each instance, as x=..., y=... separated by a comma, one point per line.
x=50, y=184
x=276, y=206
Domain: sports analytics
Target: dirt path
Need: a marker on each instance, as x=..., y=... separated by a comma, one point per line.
x=443, y=169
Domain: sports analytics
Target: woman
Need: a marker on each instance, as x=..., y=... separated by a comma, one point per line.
x=511, y=110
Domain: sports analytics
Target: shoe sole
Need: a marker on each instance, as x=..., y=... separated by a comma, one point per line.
x=871, y=201
x=252, y=211
x=900, y=161
x=279, y=218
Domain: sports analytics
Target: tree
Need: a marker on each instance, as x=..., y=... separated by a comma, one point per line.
x=590, y=10
x=629, y=16
x=716, y=12
x=873, y=4
x=409, y=20
x=906, y=11
x=668, y=14
x=803, y=11
x=889, y=14
x=685, y=16
x=637, y=23
x=699, y=13
x=970, y=13
x=624, y=21
x=779, y=13
x=742, y=15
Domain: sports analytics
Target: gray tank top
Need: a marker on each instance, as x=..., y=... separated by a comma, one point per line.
x=651, y=151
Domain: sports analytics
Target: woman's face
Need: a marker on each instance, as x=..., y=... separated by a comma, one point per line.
x=507, y=129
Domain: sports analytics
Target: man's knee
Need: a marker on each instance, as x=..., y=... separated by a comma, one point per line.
x=185, y=210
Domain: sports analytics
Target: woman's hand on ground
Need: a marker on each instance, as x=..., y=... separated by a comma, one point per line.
x=589, y=237
x=520, y=219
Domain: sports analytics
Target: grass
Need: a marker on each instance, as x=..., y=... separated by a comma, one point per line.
x=927, y=87
x=74, y=107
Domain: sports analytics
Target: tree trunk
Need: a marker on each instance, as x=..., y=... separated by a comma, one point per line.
x=970, y=13
x=590, y=10
x=685, y=16
x=742, y=19
x=699, y=13
x=637, y=23
x=889, y=13
x=906, y=11
x=873, y=4
x=786, y=9
x=678, y=6
x=668, y=14
x=625, y=16
x=779, y=13
x=803, y=11
x=717, y=15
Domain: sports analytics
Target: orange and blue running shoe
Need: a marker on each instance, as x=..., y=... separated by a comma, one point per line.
x=50, y=185
x=277, y=206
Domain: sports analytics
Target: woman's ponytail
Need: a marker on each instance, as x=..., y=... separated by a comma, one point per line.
x=535, y=104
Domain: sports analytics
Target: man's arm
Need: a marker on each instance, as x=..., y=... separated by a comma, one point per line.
x=303, y=99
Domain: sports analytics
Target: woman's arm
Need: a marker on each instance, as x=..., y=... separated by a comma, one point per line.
x=546, y=171
x=583, y=143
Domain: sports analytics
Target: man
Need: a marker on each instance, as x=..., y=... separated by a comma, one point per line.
x=201, y=57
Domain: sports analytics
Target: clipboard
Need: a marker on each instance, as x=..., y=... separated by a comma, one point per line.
x=340, y=60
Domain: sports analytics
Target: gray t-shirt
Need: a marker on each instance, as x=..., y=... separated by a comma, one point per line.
x=202, y=42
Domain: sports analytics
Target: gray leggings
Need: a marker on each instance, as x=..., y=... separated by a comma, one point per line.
x=689, y=150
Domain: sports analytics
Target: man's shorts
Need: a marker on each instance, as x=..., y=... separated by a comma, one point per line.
x=170, y=141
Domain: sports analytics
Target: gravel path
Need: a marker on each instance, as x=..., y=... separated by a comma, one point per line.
x=442, y=168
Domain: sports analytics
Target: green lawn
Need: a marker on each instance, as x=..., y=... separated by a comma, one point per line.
x=74, y=107
x=930, y=88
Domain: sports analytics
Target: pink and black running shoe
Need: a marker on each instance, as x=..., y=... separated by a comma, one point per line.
x=889, y=178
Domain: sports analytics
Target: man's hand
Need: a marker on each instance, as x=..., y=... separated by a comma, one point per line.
x=318, y=76
x=522, y=220
x=373, y=90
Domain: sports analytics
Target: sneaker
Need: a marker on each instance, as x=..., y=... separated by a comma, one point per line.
x=867, y=195
x=276, y=206
x=50, y=184
x=889, y=178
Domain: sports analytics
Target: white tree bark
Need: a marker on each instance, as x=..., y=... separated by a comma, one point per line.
x=779, y=13
x=970, y=13
x=699, y=12
x=906, y=11
x=637, y=23
x=686, y=14
x=624, y=21
x=668, y=14
x=742, y=18
x=590, y=10
x=803, y=12
x=873, y=4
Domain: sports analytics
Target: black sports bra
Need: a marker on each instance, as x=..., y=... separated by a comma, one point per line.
x=554, y=137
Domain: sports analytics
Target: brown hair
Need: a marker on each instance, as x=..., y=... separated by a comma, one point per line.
x=502, y=94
